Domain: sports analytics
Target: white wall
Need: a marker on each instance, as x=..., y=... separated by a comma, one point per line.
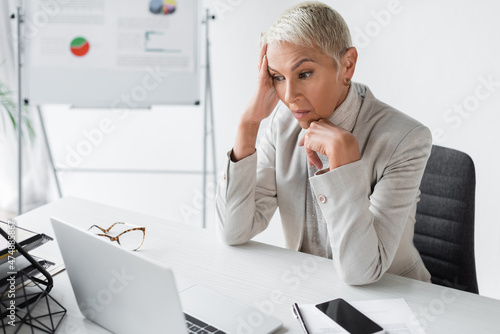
x=423, y=57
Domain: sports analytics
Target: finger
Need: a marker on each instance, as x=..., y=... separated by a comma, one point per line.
x=314, y=159
x=263, y=72
x=263, y=50
x=301, y=141
x=312, y=156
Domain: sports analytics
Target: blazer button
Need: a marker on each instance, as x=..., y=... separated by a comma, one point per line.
x=322, y=199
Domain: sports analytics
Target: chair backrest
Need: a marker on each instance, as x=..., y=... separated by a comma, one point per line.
x=444, y=229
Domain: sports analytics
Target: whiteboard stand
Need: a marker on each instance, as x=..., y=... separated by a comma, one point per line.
x=208, y=112
x=19, y=113
x=49, y=151
x=142, y=171
x=208, y=97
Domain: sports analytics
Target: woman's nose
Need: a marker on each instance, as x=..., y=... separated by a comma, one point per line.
x=292, y=93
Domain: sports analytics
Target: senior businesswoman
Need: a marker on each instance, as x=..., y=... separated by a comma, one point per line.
x=343, y=167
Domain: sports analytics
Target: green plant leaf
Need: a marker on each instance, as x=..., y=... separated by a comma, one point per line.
x=8, y=105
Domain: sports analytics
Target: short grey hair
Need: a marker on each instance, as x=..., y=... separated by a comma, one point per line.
x=312, y=24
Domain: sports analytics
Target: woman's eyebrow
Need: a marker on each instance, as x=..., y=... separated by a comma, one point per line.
x=297, y=64
x=271, y=69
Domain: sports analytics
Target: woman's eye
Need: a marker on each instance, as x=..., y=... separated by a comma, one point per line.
x=278, y=78
x=304, y=75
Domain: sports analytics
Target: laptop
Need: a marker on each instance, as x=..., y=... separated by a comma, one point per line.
x=126, y=293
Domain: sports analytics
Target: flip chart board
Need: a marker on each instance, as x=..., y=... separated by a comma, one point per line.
x=112, y=53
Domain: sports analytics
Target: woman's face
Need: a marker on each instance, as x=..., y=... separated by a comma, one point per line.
x=306, y=81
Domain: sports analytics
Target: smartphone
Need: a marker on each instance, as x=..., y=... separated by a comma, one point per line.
x=348, y=317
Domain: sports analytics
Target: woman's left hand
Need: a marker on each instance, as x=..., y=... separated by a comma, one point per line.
x=326, y=138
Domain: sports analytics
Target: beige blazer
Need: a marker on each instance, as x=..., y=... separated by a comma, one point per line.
x=369, y=205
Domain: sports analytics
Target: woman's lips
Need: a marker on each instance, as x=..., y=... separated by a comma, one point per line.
x=300, y=113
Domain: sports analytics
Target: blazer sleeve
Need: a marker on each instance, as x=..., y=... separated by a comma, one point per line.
x=246, y=193
x=365, y=222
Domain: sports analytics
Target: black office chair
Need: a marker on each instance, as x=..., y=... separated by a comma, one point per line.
x=444, y=229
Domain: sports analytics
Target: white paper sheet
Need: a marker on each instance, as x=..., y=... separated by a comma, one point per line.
x=394, y=315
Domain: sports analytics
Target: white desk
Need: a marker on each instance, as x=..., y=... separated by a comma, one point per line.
x=258, y=274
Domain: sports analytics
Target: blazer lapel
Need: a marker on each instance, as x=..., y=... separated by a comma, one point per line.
x=294, y=174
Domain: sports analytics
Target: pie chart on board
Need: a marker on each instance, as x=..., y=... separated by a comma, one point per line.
x=79, y=46
x=162, y=7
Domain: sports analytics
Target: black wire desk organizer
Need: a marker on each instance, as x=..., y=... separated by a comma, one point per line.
x=24, y=288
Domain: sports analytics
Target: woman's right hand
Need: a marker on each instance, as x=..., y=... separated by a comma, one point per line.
x=260, y=106
x=265, y=98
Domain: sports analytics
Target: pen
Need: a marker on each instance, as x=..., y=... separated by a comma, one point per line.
x=298, y=315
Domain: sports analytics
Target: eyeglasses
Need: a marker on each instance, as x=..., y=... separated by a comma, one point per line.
x=132, y=238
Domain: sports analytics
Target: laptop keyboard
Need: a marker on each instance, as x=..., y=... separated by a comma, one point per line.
x=199, y=327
